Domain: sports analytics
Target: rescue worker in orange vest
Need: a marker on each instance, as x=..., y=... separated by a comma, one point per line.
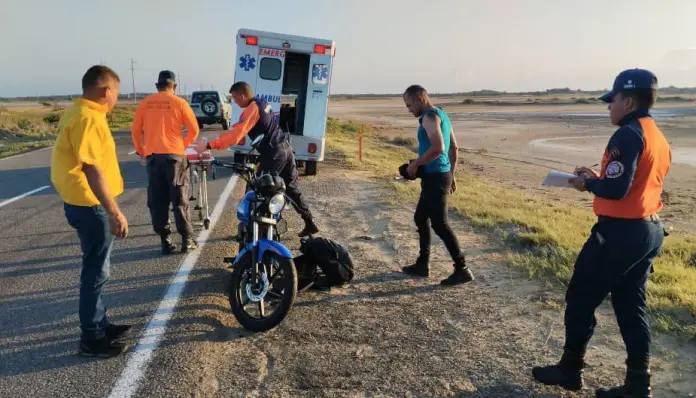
x=276, y=153
x=618, y=256
x=157, y=138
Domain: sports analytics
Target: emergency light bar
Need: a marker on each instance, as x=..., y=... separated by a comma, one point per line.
x=252, y=41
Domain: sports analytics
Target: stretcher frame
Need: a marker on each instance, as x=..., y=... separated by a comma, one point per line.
x=199, y=166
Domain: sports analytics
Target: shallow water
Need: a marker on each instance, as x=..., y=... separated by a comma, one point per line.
x=657, y=113
x=680, y=155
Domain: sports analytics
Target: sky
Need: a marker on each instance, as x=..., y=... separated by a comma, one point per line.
x=382, y=46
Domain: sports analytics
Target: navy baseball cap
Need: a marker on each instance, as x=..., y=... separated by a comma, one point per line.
x=166, y=76
x=631, y=79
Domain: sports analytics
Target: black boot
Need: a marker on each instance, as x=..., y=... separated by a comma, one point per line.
x=167, y=246
x=567, y=373
x=461, y=274
x=420, y=268
x=188, y=244
x=636, y=385
x=309, y=229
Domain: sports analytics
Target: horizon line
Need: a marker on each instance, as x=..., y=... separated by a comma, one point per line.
x=385, y=94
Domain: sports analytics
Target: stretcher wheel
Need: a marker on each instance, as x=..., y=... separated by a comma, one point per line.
x=206, y=223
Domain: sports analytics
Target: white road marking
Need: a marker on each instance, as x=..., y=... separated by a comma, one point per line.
x=24, y=195
x=129, y=380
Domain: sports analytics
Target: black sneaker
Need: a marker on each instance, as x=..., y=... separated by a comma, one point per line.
x=167, y=246
x=417, y=270
x=459, y=276
x=102, y=348
x=115, y=332
x=188, y=244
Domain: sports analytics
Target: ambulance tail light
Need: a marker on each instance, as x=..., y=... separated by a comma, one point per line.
x=252, y=41
x=312, y=148
x=319, y=49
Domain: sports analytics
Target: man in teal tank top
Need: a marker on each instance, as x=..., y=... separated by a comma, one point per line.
x=437, y=159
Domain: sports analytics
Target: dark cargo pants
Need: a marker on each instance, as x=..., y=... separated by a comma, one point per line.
x=617, y=258
x=281, y=160
x=168, y=182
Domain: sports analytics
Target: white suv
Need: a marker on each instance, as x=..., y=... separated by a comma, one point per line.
x=211, y=107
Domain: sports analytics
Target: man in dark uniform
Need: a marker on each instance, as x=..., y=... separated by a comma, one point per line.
x=276, y=154
x=618, y=256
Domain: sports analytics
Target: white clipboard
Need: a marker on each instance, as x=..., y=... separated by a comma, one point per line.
x=558, y=179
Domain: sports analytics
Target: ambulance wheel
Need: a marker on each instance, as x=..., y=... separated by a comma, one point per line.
x=311, y=168
x=206, y=223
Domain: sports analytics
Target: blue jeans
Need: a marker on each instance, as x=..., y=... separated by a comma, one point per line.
x=92, y=225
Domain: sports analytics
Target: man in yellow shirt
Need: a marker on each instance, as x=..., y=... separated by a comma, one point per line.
x=86, y=175
x=157, y=138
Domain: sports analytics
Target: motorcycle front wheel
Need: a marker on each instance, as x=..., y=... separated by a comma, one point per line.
x=274, y=287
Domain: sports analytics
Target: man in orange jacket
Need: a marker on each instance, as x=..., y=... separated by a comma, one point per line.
x=158, y=139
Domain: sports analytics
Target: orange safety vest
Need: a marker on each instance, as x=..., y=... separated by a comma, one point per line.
x=642, y=168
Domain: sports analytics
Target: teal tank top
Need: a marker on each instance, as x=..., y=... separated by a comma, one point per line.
x=441, y=164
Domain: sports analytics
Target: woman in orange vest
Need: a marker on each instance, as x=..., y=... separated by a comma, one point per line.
x=618, y=256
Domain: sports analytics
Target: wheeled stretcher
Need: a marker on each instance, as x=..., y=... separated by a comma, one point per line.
x=199, y=166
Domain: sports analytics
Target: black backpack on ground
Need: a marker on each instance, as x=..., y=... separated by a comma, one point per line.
x=324, y=262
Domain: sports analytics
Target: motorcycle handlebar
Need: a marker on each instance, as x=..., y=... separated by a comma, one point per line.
x=234, y=166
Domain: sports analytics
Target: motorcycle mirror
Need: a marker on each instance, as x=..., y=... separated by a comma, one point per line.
x=256, y=141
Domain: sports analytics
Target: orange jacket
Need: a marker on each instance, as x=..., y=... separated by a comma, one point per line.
x=248, y=119
x=158, y=123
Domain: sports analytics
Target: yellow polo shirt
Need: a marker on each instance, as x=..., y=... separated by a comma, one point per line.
x=84, y=137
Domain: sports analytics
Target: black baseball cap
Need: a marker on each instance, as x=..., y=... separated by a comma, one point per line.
x=629, y=80
x=166, y=77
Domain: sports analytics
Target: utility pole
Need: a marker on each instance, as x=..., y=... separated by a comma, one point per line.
x=132, y=69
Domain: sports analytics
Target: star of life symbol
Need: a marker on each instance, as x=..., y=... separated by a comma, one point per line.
x=247, y=62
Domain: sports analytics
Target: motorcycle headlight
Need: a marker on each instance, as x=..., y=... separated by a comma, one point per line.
x=276, y=204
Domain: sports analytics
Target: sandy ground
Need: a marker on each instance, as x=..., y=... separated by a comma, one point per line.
x=389, y=335
x=518, y=145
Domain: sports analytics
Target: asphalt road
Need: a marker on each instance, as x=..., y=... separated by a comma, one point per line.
x=39, y=279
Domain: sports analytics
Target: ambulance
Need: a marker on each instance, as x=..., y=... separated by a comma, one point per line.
x=293, y=74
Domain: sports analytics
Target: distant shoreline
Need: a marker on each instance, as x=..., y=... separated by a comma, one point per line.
x=670, y=90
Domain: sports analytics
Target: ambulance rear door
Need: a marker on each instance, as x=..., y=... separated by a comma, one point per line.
x=247, y=66
x=318, y=84
x=269, y=83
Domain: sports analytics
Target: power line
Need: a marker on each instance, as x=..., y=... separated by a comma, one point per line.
x=132, y=69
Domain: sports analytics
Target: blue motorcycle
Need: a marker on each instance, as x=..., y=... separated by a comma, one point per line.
x=263, y=272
